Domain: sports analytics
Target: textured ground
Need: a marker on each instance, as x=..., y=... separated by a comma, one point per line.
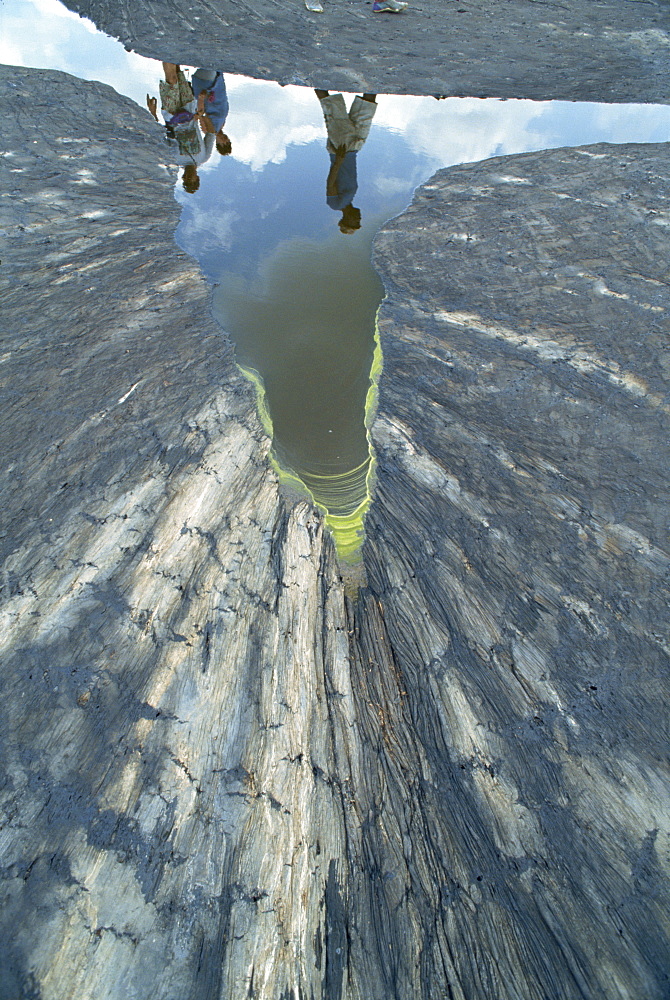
x=223, y=778
x=519, y=545
x=599, y=50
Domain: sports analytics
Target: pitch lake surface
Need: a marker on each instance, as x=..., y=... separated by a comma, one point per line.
x=298, y=296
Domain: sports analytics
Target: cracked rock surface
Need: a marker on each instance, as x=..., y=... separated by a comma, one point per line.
x=609, y=50
x=518, y=542
x=224, y=777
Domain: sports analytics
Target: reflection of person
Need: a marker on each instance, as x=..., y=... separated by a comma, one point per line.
x=347, y=132
x=209, y=88
x=203, y=106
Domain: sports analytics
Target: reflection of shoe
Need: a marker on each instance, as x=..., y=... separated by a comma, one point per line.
x=314, y=5
x=389, y=6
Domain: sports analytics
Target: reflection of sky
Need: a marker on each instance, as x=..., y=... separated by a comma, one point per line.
x=46, y=35
x=267, y=120
x=274, y=183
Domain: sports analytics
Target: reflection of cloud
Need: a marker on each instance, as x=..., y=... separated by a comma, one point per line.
x=390, y=186
x=52, y=8
x=46, y=35
x=633, y=122
x=265, y=119
x=466, y=129
x=206, y=227
x=461, y=129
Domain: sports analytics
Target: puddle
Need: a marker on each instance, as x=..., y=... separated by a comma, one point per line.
x=298, y=295
x=304, y=332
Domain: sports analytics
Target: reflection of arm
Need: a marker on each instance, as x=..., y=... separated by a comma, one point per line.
x=331, y=182
x=206, y=123
x=208, y=146
x=152, y=104
x=204, y=119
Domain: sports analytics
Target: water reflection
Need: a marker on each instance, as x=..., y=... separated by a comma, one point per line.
x=347, y=132
x=304, y=326
x=298, y=298
x=303, y=320
x=194, y=113
x=304, y=329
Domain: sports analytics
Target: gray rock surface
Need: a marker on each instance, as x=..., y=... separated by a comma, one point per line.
x=519, y=546
x=167, y=743
x=222, y=776
x=608, y=50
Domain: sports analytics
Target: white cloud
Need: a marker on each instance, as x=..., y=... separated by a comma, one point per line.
x=53, y=8
x=461, y=129
x=390, y=186
x=205, y=227
x=265, y=119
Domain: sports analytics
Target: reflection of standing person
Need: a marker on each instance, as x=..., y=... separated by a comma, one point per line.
x=209, y=88
x=347, y=132
x=190, y=147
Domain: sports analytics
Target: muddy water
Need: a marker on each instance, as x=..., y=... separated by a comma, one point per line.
x=297, y=294
x=305, y=324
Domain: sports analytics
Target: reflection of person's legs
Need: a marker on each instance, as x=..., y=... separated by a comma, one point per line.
x=361, y=113
x=338, y=122
x=207, y=77
x=175, y=91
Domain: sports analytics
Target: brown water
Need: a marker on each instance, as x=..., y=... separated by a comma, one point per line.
x=306, y=325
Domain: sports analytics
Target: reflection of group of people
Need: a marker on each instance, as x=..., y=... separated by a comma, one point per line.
x=195, y=112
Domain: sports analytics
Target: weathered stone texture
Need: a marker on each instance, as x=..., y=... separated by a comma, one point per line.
x=518, y=542
x=221, y=776
x=610, y=50
x=169, y=815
